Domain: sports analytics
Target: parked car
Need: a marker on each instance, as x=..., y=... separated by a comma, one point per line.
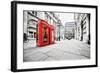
x=69, y=38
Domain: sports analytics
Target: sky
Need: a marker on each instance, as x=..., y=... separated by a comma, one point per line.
x=66, y=17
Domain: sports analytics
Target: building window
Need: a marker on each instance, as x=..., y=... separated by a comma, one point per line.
x=30, y=34
x=84, y=22
x=84, y=32
x=34, y=13
x=84, y=28
x=34, y=34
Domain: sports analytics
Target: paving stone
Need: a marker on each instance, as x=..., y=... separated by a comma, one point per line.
x=35, y=57
x=63, y=50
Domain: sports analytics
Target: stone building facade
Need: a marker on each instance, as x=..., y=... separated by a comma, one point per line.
x=70, y=29
x=31, y=18
x=82, y=30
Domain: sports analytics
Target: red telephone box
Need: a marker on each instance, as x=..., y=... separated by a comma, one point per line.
x=45, y=33
x=52, y=34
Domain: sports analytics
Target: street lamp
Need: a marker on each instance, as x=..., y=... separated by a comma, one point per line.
x=59, y=24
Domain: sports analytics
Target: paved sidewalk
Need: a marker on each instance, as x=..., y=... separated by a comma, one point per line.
x=30, y=43
x=63, y=50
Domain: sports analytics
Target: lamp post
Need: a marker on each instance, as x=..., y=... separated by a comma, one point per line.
x=59, y=29
x=59, y=32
